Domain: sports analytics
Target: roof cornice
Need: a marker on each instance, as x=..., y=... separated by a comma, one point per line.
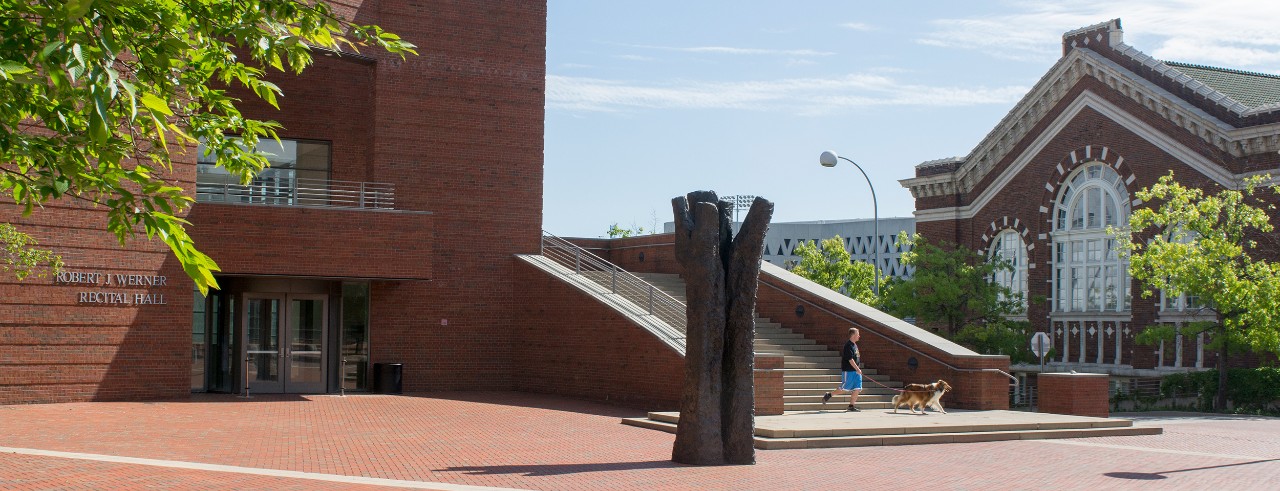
x=1058, y=81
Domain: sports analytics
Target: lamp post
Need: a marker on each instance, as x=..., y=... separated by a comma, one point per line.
x=829, y=159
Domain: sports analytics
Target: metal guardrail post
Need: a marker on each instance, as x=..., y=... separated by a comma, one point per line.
x=613, y=284
x=362, y=194
x=650, y=299
x=577, y=261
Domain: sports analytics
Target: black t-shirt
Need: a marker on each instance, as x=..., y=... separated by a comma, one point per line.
x=847, y=355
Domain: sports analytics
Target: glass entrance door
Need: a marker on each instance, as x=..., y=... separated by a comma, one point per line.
x=285, y=343
x=305, y=353
x=262, y=349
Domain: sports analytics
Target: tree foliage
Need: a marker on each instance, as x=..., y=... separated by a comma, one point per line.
x=21, y=257
x=951, y=285
x=830, y=265
x=618, y=232
x=98, y=96
x=1207, y=246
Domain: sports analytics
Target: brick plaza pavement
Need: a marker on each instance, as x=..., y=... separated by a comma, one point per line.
x=529, y=441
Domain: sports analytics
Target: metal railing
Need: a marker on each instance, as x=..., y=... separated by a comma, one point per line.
x=649, y=298
x=279, y=191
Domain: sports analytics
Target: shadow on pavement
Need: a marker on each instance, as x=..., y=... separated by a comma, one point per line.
x=561, y=469
x=1154, y=476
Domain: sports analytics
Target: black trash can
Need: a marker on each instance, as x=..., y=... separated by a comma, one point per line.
x=388, y=378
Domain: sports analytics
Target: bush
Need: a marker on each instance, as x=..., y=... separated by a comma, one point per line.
x=1249, y=390
x=1011, y=338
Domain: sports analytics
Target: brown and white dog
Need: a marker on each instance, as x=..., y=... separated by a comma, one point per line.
x=922, y=396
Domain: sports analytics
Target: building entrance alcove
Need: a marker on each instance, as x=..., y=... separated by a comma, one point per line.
x=280, y=335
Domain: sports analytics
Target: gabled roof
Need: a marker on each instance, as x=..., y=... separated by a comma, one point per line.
x=1098, y=51
x=1249, y=88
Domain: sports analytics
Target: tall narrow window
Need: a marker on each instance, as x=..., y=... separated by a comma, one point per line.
x=1008, y=246
x=1089, y=275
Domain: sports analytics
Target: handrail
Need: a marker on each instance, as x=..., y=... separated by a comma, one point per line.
x=651, y=299
x=894, y=341
x=287, y=191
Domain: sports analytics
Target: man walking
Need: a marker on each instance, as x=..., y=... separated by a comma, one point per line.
x=850, y=371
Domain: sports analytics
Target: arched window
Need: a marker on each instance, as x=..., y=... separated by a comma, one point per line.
x=1008, y=246
x=1088, y=274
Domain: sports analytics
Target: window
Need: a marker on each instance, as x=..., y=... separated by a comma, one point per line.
x=1089, y=275
x=291, y=165
x=1008, y=246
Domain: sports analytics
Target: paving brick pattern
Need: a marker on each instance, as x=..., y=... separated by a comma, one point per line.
x=529, y=441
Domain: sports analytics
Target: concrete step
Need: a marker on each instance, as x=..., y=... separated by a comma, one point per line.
x=861, y=429
x=809, y=365
x=821, y=388
x=828, y=384
x=826, y=360
x=835, y=405
x=816, y=398
x=805, y=348
x=869, y=372
x=766, y=443
x=779, y=335
x=791, y=341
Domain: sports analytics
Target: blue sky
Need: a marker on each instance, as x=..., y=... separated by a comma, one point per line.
x=648, y=100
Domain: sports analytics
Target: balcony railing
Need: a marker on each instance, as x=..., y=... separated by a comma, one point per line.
x=277, y=191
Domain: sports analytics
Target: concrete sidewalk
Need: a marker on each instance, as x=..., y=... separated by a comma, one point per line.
x=527, y=441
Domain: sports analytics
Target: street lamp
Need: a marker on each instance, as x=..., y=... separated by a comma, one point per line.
x=829, y=159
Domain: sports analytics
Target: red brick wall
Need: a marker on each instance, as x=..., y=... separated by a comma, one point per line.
x=1081, y=394
x=570, y=344
x=768, y=385
x=53, y=348
x=643, y=254
x=295, y=241
x=457, y=130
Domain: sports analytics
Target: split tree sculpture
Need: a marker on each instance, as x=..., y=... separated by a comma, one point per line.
x=721, y=278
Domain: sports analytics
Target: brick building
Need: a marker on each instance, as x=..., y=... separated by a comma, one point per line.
x=1106, y=121
x=384, y=231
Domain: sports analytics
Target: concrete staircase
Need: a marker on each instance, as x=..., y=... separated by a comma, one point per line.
x=809, y=369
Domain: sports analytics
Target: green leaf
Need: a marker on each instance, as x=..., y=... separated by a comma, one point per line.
x=100, y=120
x=75, y=9
x=156, y=104
x=10, y=68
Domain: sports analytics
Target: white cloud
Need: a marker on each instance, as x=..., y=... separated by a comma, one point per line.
x=727, y=50
x=1227, y=33
x=807, y=96
x=857, y=26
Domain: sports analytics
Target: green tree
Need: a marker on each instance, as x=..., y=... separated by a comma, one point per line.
x=97, y=96
x=615, y=231
x=1206, y=246
x=830, y=265
x=951, y=285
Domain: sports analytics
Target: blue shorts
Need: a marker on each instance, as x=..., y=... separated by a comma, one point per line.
x=852, y=381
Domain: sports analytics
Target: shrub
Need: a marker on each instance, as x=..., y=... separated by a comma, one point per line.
x=1011, y=338
x=1249, y=390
